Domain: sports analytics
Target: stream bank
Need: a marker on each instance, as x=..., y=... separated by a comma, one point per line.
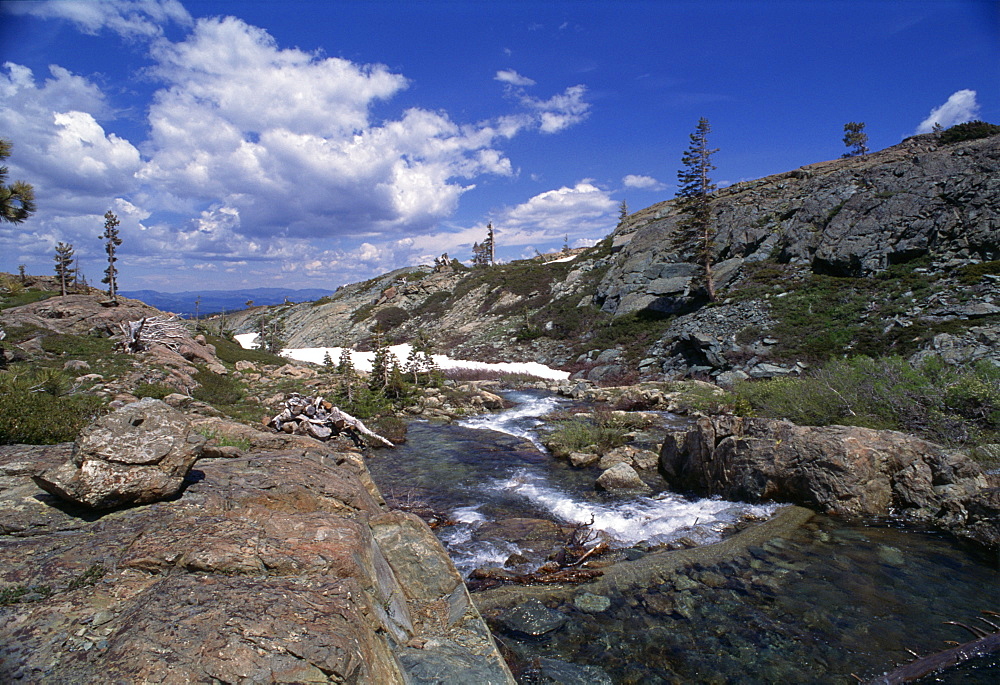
x=799, y=598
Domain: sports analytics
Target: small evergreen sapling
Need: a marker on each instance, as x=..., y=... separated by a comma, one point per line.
x=111, y=244
x=65, y=271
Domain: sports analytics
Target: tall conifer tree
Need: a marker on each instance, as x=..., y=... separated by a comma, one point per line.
x=65, y=271
x=111, y=243
x=695, y=198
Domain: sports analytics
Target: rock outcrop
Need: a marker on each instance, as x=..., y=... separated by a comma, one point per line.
x=841, y=470
x=136, y=455
x=844, y=217
x=279, y=566
x=919, y=200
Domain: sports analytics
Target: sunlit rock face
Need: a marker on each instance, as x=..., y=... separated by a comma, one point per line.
x=138, y=454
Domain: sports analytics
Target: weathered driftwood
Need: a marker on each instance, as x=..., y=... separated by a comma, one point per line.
x=318, y=418
x=138, y=336
x=985, y=643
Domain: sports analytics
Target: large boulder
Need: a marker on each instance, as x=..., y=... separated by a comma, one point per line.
x=273, y=568
x=136, y=455
x=841, y=470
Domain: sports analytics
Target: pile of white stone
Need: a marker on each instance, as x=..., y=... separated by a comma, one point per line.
x=320, y=419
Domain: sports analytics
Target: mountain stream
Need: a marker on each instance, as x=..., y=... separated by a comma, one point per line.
x=815, y=604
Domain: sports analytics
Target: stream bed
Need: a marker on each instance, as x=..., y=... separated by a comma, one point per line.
x=823, y=603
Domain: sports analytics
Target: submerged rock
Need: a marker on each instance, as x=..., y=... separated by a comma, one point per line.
x=532, y=618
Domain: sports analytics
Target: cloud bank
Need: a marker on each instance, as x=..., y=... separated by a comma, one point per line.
x=228, y=175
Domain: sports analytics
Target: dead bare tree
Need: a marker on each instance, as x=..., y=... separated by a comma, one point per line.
x=138, y=336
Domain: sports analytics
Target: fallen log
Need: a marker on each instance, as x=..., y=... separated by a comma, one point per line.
x=318, y=418
x=985, y=643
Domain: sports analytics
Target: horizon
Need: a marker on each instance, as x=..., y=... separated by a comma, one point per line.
x=386, y=149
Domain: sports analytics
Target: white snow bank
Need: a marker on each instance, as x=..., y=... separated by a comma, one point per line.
x=363, y=360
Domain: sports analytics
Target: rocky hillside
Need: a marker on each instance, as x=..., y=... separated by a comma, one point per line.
x=894, y=252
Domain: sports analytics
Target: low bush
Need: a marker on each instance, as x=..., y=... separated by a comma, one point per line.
x=17, y=297
x=230, y=352
x=955, y=406
x=35, y=408
x=77, y=345
x=217, y=390
x=973, y=273
x=433, y=305
x=604, y=430
x=970, y=130
x=155, y=390
x=391, y=317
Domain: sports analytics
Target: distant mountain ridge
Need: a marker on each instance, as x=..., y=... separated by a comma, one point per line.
x=214, y=301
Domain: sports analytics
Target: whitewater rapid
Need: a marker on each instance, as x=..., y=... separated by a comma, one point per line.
x=619, y=521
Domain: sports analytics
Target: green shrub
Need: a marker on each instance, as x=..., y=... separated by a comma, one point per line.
x=604, y=430
x=155, y=390
x=391, y=317
x=362, y=313
x=35, y=410
x=433, y=305
x=17, y=297
x=230, y=352
x=973, y=273
x=957, y=406
x=970, y=130
x=66, y=345
x=217, y=390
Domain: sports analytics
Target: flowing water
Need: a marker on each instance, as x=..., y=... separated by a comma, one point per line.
x=816, y=606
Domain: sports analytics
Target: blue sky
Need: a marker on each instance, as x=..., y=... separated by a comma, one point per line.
x=310, y=143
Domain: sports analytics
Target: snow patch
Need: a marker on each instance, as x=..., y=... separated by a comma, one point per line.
x=363, y=360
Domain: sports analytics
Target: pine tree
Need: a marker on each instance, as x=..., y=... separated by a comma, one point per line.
x=414, y=364
x=327, y=361
x=65, y=271
x=111, y=243
x=484, y=254
x=856, y=139
x=345, y=367
x=17, y=200
x=695, y=199
x=622, y=212
x=270, y=332
x=378, y=379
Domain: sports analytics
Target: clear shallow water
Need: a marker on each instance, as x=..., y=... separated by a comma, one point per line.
x=826, y=602
x=492, y=468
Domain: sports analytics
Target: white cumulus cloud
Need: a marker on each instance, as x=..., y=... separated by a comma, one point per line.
x=642, y=182
x=560, y=111
x=513, y=78
x=128, y=18
x=59, y=145
x=959, y=108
